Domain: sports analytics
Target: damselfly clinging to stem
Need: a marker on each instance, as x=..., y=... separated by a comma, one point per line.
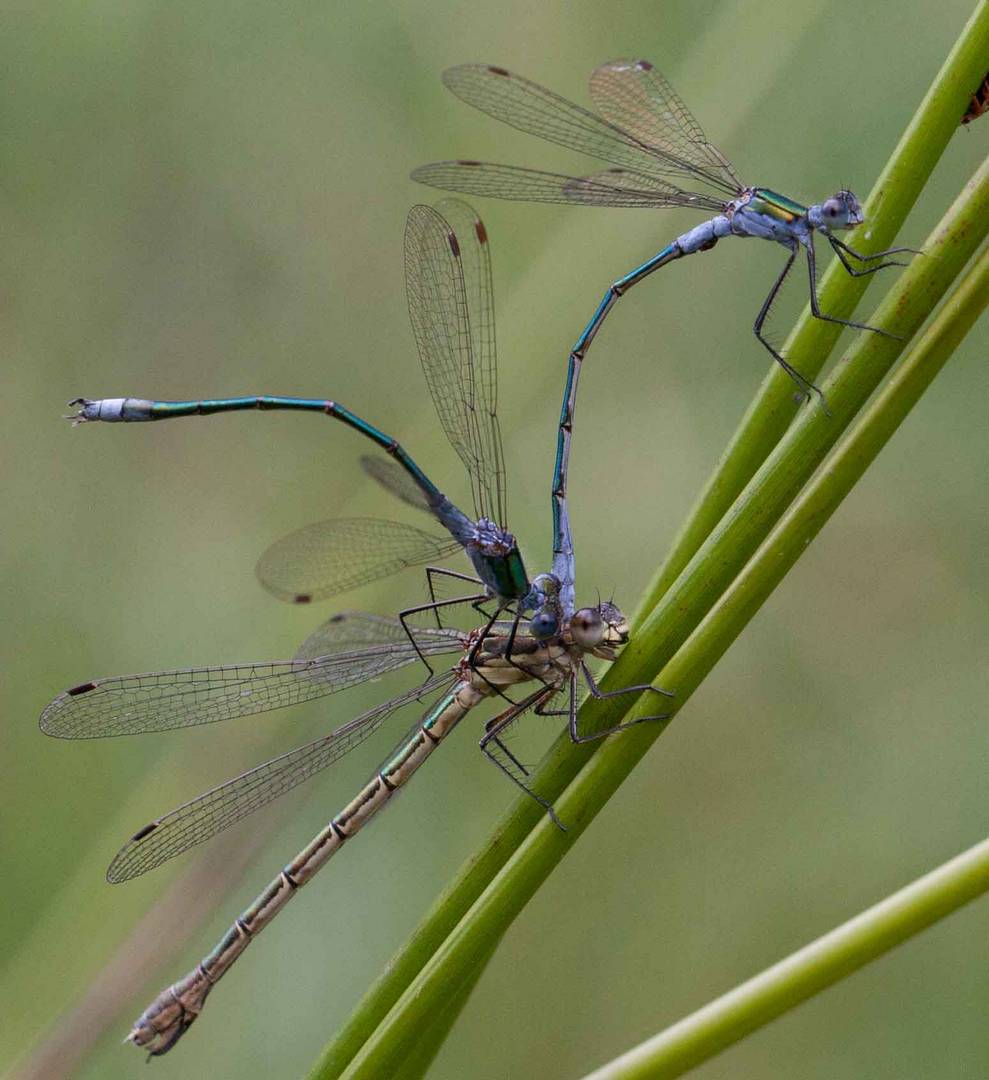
x=347, y=650
x=649, y=135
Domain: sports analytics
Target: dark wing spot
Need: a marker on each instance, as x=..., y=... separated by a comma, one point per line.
x=82, y=688
x=472, y=164
x=454, y=245
x=643, y=65
x=482, y=232
x=303, y=598
x=142, y=833
x=499, y=71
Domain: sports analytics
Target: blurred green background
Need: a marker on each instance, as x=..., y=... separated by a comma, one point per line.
x=204, y=199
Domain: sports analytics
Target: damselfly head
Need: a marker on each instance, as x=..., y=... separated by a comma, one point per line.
x=599, y=629
x=543, y=599
x=545, y=623
x=841, y=211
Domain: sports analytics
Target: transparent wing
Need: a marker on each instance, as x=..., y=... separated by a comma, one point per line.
x=611, y=187
x=641, y=189
x=332, y=556
x=352, y=632
x=634, y=96
x=448, y=282
x=392, y=477
x=347, y=650
x=215, y=810
x=538, y=111
x=475, y=263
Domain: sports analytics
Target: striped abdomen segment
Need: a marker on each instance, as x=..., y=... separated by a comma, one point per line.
x=164, y=1022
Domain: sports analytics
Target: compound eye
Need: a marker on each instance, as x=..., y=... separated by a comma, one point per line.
x=832, y=209
x=588, y=628
x=543, y=625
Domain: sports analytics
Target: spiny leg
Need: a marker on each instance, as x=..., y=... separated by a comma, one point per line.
x=478, y=598
x=497, y=725
x=442, y=571
x=503, y=747
x=596, y=691
x=815, y=307
x=835, y=242
x=806, y=386
x=478, y=669
x=510, y=643
x=637, y=688
x=858, y=271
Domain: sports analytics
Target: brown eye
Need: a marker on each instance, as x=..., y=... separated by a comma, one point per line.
x=587, y=628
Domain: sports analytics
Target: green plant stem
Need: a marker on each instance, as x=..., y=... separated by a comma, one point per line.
x=808, y=346
x=472, y=941
x=812, y=969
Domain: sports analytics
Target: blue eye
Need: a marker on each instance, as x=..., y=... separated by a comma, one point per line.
x=544, y=625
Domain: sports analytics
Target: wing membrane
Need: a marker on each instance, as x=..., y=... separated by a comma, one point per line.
x=610, y=187
x=538, y=111
x=354, y=632
x=634, y=96
x=448, y=282
x=392, y=477
x=347, y=650
x=332, y=556
x=475, y=264
x=210, y=813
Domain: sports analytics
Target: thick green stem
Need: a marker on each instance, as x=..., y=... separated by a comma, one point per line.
x=814, y=968
x=467, y=948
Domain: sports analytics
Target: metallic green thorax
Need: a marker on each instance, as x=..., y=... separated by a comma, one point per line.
x=775, y=205
x=509, y=578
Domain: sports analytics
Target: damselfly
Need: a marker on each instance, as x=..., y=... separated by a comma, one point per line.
x=347, y=650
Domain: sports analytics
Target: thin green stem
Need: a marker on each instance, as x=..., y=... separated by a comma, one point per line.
x=812, y=969
x=475, y=936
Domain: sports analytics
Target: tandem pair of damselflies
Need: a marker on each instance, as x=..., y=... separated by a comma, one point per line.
x=451, y=305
